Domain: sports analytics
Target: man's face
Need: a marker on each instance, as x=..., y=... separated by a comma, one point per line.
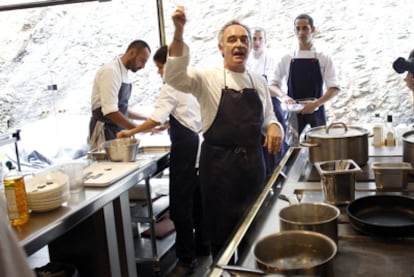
x=304, y=31
x=138, y=60
x=235, y=47
x=259, y=41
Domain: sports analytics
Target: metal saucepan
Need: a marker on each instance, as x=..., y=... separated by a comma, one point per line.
x=122, y=149
x=383, y=215
x=296, y=252
x=337, y=142
x=317, y=217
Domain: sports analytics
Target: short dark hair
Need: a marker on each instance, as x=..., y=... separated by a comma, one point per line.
x=139, y=45
x=161, y=54
x=304, y=16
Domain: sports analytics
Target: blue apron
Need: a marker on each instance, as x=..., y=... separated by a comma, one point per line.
x=305, y=81
x=185, y=199
x=110, y=127
x=231, y=163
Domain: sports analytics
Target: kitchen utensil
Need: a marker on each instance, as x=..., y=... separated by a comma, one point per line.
x=382, y=215
x=338, y=180
x=391, y=176
x=296, y=252
x=317, y=217
x=337, y=141
x=408, y=148
x=121, y=150
x=74, y=169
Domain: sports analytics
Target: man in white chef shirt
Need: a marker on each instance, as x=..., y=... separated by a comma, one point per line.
x=310, y=75
x=13, y=260
x=260, y=61
x=111, y=92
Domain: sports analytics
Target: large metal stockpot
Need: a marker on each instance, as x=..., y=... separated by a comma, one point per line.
x=408, y=148
x=337, y=141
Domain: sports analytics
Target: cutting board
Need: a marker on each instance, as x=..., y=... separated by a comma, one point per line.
x=103, y=174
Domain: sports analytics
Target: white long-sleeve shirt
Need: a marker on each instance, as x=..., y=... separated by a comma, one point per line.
x=207, y=84
x=183, y=106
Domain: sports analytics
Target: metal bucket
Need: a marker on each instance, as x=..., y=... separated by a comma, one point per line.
x=338, y=180
x=317, y=217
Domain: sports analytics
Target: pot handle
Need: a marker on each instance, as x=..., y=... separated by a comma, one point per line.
x=336, y=123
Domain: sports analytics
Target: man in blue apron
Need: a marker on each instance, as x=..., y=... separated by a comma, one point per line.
x=260, y=61
x=111, y=92
x=307, y=72
x=236, y=110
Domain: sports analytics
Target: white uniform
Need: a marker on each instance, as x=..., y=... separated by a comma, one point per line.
x=264, y=64
x=106, y=86
x=206, y=85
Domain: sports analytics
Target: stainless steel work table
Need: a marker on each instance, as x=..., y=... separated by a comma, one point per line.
x=358, y=255
x=92, y=230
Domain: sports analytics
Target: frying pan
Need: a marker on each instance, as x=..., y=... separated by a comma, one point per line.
x=382, y=215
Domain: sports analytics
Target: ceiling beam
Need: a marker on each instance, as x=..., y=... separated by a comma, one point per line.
x=39, y=4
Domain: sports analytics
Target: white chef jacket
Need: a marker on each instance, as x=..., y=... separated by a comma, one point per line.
x=13, y=260
x=183, y=106
x=263, y=65
x=206, y=85
x=106, y=86
x=281, y=73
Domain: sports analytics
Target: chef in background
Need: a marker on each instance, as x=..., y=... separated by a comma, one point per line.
x=111, y=92
x=308, y=73
x=183, y=110
x=236, y=110
x=260, y=61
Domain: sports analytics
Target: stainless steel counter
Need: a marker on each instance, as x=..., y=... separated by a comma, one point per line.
x=358, y=255
x=91, y=214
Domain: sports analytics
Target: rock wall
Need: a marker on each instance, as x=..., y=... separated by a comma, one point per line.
x=66, y=44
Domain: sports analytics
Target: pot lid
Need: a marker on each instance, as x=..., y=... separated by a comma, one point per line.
x=337, y=130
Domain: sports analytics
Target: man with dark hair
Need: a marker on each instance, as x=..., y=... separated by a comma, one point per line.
x=111, y=92
x=310, y=77
x=236, y=110
x=409, y=78
x=183, y=111
x=262, y=62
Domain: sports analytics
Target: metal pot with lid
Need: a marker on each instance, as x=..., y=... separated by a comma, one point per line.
x=337, y=141
x=408, y=148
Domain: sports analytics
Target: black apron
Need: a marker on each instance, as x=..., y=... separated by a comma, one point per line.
x=185, y=200
x=305, y=81
x=110, y=127
x=231, y=163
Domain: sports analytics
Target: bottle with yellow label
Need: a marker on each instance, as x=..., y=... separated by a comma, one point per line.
x=16, y=198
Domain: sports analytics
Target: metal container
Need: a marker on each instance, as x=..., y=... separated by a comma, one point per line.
x=296, y=253
x=391, y=176
x=317, y=217
x=408, y=148
x=337, y=141
x=121, y=150
x=338, y=180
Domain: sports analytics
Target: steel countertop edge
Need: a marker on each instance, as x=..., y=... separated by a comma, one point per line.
x=43, y=228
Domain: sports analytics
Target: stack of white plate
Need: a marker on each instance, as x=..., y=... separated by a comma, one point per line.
x=47, y=191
